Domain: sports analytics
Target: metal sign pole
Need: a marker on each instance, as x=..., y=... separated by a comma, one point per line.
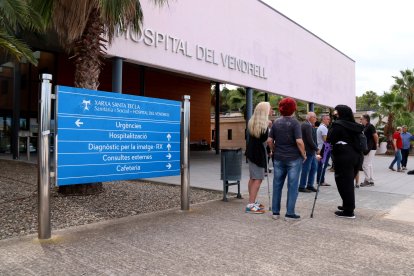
x=185, y=166
x=44, y=231
x=55, y=140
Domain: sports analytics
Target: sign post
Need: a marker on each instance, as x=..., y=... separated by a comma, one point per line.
x=102, y=136
x=43, y=162
x=185, y=154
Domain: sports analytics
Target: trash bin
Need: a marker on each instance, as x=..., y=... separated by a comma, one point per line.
x=231, y=162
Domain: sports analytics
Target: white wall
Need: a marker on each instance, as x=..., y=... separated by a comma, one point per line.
x=287, y=59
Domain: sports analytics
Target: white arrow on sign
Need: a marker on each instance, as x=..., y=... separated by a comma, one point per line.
x=168, y=147
x=78, y=123
x=168, y=156
x=168, y=166
x=168, y=136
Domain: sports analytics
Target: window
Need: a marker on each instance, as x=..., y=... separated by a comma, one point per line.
x=229, y=134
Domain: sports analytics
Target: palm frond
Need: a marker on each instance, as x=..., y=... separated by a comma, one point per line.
x=13, y=13
x=16, y=48
x=44, y=8
x=127, y=16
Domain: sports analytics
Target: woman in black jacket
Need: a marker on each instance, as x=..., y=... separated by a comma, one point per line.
x=256, y=154
x=346, y=153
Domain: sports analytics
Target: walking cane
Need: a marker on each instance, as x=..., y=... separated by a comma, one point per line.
x=267, y=177
x=325, y=161
x=268, y=185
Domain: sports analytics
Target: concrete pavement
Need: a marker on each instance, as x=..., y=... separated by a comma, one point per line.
x=390, y=190
x=217, y=238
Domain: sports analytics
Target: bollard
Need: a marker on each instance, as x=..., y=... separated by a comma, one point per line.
x=185, y=154
x=44, y=230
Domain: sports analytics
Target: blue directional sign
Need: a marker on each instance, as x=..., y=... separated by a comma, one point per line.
x=104, y=136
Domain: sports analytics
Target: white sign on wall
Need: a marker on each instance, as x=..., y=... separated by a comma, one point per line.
x=175, y=45
x=251, y=46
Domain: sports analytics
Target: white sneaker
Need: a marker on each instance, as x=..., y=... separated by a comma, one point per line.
x=254, y=209
x=259, y=205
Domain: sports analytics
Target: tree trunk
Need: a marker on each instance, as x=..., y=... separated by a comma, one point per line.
x=389, y=129
x=410, y=99
x=88, y=61
x=88, y=55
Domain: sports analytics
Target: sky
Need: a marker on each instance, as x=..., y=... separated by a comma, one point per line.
x=377, y=35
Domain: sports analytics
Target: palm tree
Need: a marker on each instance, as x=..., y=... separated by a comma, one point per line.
x=368, y=101
x=15, y=16
x=319, y=110
x=392, y=106
x=405, y=118
x=380, y=124
x=405, y=85
x=224, y=107
x=301, y=109
x=236, y=99
x=82, y=25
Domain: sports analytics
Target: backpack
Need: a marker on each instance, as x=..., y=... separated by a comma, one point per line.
x=360, y=141
x=363, y=144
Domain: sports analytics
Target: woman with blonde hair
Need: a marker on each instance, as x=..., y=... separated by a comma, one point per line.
x=256, y=153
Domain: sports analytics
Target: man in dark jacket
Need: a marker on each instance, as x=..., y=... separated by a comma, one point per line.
x=372, y=142
x=307, y=176
x=347, y=155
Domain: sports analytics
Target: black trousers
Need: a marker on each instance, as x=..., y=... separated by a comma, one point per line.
x=347, y=163
x=404, y=153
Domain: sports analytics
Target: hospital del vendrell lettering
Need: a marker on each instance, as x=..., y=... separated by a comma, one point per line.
x=176, y=45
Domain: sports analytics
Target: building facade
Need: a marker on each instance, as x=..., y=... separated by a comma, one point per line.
x=183, y=48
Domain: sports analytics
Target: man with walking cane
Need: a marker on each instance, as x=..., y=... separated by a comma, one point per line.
x=348, y=143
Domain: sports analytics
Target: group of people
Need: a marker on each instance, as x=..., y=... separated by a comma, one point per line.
x=297, y=151
x=401, y=143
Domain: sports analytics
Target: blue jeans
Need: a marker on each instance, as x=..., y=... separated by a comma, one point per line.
x=308, y=171
x=291, y=169
x=320, y=175
x=397, y=159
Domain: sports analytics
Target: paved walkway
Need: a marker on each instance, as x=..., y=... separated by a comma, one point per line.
x=393, y=191
x=217, y=238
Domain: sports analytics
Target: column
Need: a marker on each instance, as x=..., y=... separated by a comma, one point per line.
x=249, y=109
x=117, y=74
x=217, y=117
x=311, y=107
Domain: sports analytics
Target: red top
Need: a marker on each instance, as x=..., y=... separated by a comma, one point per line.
x=397, y=136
